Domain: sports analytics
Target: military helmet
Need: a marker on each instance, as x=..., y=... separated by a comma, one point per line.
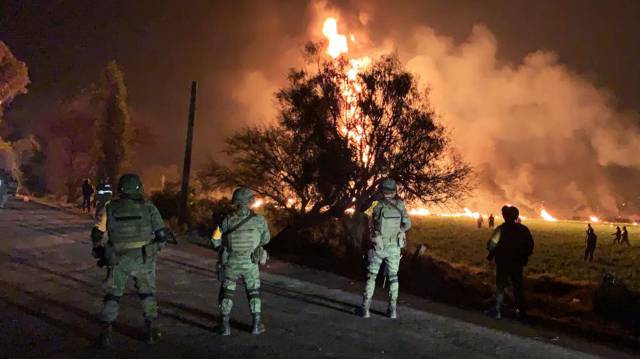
x=242, y=195
x=130, y=184
x=388, y=186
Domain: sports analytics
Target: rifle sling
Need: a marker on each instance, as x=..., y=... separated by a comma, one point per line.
x=241, y=223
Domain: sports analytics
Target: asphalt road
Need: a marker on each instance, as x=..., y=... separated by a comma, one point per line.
x=50, y=293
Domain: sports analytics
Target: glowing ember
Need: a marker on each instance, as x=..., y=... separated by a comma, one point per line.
x=257, y=204
x=337, y=42
x=546, y=216
x=419, y=212
x=594, y=219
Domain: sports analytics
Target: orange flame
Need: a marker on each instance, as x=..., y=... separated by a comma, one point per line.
x=419, y=212
x=352, y=124
x=337, y=43
x=546, y=216
x=594, y=219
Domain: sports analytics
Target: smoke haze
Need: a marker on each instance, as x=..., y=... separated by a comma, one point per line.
x=523, y=86
x=538, y=134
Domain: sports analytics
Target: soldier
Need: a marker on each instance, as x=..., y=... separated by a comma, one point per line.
x=390, y=221
x=103, y=195
x=617, y=235
x=87, y=191
x=240, y=238
x=480, y=221
x=625, y=236
x=136, y=233
x=511, y=245
x=492, y=221
x=4, y=188
x=590, y=243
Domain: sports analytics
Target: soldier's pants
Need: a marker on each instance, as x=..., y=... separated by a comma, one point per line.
x=131, y=264
x=235, y=269
x=588, y=253
x=504, y=274
x=390, y=255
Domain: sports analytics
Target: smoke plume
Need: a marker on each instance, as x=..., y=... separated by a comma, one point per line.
x=537, y=133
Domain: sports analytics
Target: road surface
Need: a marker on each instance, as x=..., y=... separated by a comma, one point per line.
x=50, y=293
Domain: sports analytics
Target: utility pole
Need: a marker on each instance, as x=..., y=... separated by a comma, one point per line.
x=186, y=168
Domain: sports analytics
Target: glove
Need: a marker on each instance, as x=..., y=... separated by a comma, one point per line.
x=402, y=240
x=98, y=252
x=377, y=242
x=163, y=236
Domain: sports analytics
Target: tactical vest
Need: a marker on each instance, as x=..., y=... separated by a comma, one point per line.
x=245, y=239
x=390, y=220
x=128, y=224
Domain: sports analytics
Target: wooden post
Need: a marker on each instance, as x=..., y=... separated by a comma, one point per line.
x=186, y=168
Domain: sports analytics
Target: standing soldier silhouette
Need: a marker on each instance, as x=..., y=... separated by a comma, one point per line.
x=136, y=233
x=103, y=195
x=625, y=236
x=240, y=238
x=617, y=235
x=510, y=246
x=87, y=192
x=590, y=243
x=492, y=221
x=390, y=221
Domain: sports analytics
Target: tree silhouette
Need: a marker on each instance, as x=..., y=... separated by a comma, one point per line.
x=338, y=136
x=115, y=132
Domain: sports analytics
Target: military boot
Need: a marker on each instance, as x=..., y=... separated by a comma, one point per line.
x=391, y=311
x=225, y=328
x=366, y=303
x=153, y=332
x=106, y=340
x=258, y=327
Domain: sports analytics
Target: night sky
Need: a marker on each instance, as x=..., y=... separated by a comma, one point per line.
x=163, y=45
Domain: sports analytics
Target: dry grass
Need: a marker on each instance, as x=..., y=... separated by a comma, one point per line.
x=559, y=248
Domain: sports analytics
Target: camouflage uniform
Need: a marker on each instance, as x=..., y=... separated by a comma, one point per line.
x=131, y=223
x=238, y=237
x=390, y=221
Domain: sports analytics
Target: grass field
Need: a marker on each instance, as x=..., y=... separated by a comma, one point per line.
x=558, y=252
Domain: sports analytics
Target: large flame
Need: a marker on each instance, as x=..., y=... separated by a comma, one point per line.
x=352, y=124
x=337, y=43
x=419, y=212
x=546, y=216
x=594, y=219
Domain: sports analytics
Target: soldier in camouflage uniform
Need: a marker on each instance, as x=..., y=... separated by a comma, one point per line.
x=390, y=221
x=136, y=233
x=240, y=238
